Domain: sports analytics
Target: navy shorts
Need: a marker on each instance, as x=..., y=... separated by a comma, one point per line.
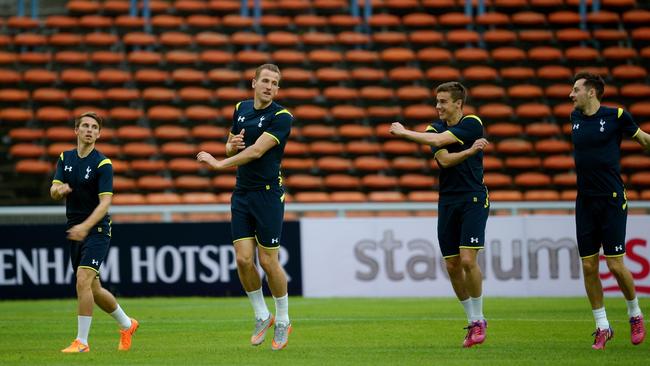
x=461, y=224
x=92, y=251
x=601, y=221
x=258, y=214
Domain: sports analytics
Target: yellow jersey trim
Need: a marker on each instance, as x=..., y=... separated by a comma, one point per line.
x=275, y=138
x=104, y=162
x=61, y=156
x=430, y=128
x=589, y=256
x=230, y=134
x=620, y=112
x=438, y=152
x=237, y=106
x=240, y=239
x=282, y=112
x=451, y=256
x=105, y=193
x=475, y=117
x=614, y=256
x=56, y=181
x=282, y=197
x=89, y=268
x=457, y=139
x=636, y=133
x=466, y=247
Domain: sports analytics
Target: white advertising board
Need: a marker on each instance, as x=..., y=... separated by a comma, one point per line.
x=393, y=257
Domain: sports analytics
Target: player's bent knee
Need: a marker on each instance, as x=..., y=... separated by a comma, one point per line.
x=245, y=261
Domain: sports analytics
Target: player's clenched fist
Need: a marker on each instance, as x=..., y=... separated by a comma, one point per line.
x=397, y=129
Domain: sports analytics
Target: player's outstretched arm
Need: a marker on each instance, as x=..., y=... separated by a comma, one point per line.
x=446, y=159
x=426, y=138
x=643, y=139
x=263, y=144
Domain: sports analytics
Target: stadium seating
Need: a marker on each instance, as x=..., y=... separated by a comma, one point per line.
x=170, y=93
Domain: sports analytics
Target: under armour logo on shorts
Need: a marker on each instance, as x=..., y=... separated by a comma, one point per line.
x=95, y=262
x=67, y=168
x=618, y=248
x=240, y=119
x=473, y=240
x=275, y=241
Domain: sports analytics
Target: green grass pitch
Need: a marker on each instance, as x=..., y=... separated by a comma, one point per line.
x=422, y=331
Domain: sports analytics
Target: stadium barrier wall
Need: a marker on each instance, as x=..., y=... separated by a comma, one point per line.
x=180, y=259
x=394, y=257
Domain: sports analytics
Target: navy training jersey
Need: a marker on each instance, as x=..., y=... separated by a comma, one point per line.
x=466, y=177
x=89, y=178
x=273, y=120
x=597, y=149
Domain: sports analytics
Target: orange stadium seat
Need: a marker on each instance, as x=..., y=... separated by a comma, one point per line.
x=164, y=198
x=423, y=196
x=140, y=149
x=199, y=198
x=334, y=164
x=462, y=36
x=371, y=163
x=53, y=115
x=523, y=163
x=312, y=197
x=506, y=195
x=26, y=134
x=424, y=38
x=185, y=165
x=26, y=150
x=166, y=22
x=408, y=163
x=224, y=182
x=347, y=196
x=30, y=166
x=517, y=73
x=541, y=195
x=416, y=181
x=326, y=148
x=386, y=197
x=532, y=179
x=304, y=182
x=61, y=133
x=558, y=162
x=565, y=179
x=191, y=183
x=55, y=149
x=419, y=20
x=154, y=183
x=514, y=146
x=542, y=129
x=128, y=199
x=298, y=164
x=379, y=182
x=503, y=129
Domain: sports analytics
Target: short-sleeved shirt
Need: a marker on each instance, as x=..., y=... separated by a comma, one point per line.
x=273, y=120
x=466, y=177
x=597, y=149
x=89, y=178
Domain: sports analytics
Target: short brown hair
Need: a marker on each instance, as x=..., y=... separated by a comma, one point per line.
x=592, y=81
x=92, y=115
x=270, y=67
x=455, y=89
